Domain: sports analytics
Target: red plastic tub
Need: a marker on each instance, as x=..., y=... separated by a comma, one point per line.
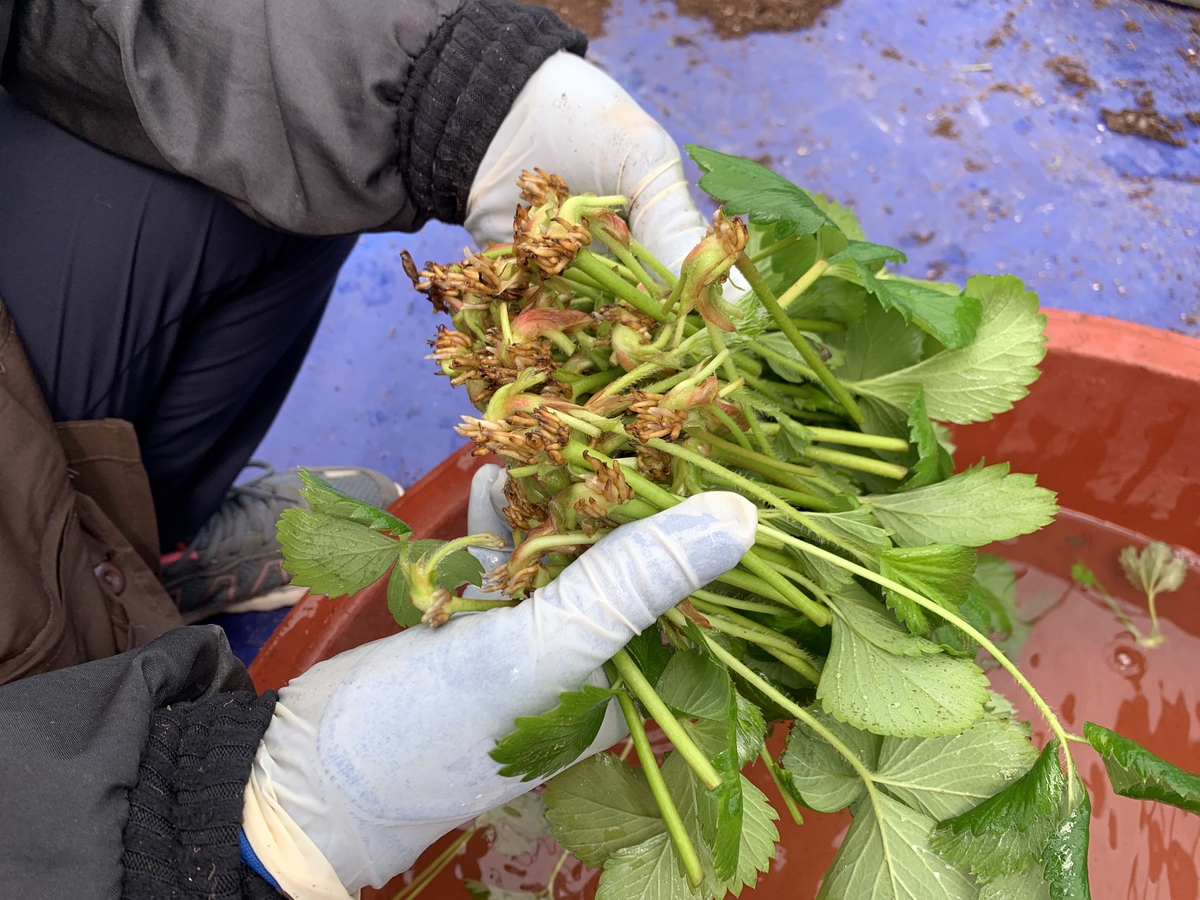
x=1113, y=425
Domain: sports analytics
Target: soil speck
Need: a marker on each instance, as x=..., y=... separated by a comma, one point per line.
x=1071, y=72
x=586, y=15
x=891, y=53
x=1145, y=121
x=734, y=18
x=1132, y=27
x=973, y=165
x=1006, y=30
x=947, y=128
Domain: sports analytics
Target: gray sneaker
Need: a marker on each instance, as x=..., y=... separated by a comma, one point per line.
x=234, y=564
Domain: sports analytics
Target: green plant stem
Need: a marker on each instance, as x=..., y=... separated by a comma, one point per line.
x=781, y=481
x=721, y=600
x=804, y=498
x=963, y=625
x=727, y=420
x=803, y=283
x=642, y=276
x=776, y=464
x=809, y=397
x=524, y=471
x=810, y=356
x=769, y=353
x=505, y=327
x=815, y=611
x=653, y=262
x=643, y=486
x=548, y=890
x=752, y=487
x=532, y=550
x=590, y=264
x=590, y=383
x=645, y=370
x=636, y=684
x=658, y=787
x=1155, y=638
x=744, y=581
x=782, y=648
x=782, y=563
x=665, y=384
x=853, y=461
x=798, y=712
x=747, y=363
x=483, y=539
x=774, y=248
x=858, y=439
x=425, y=877
x=788, y=801
x=579, y=279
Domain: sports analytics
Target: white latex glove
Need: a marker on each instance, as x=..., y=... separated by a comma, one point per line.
x=572, y=120
x=377, y=752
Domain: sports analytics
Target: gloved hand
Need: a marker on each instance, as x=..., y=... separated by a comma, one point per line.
x=374, y=754
x=572, y=120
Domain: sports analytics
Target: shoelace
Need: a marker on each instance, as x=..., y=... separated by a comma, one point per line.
x=247, y=509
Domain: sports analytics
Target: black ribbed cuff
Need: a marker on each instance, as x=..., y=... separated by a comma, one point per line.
x=461, y=88
x=185, y=813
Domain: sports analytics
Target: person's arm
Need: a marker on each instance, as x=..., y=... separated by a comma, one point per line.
x=318, y=116
x=125, y=777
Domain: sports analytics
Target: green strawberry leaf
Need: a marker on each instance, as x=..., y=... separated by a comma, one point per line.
x=1009, y=831
x=972, y=382
x=872, y=687
x=953, y=319
x=399, y=594
x=650, y=653
x=693, y=684
x=973, y=508
x=886, y=856
x=825, y=780
x=459, y=568
x=545, y=744
x=325, y=499
x=941, y=572
x=749, y=187
x=1136, y=772
x=1066, y=855
x=1028, y=884
x=933, y=463
x=946, y=776
x=601, y=806
x=650, y=870
x=334, y=556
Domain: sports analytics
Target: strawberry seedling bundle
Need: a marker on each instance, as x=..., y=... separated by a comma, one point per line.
x=613, y=388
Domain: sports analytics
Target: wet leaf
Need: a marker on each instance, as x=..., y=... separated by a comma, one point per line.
x=545, y=744
x=1009, y=831
x=1136, y=772
x=601, y=806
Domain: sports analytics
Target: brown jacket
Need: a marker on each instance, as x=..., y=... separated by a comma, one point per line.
x=78, y=537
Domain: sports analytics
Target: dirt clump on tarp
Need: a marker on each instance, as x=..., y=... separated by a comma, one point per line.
x=586, y=15
x=734, y=18
x=1072, y=73
x=1145, y=121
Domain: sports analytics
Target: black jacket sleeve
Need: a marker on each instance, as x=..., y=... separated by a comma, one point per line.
x=314, y=116
x=124, y=777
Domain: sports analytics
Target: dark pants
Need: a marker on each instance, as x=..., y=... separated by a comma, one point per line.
x=144, y=296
